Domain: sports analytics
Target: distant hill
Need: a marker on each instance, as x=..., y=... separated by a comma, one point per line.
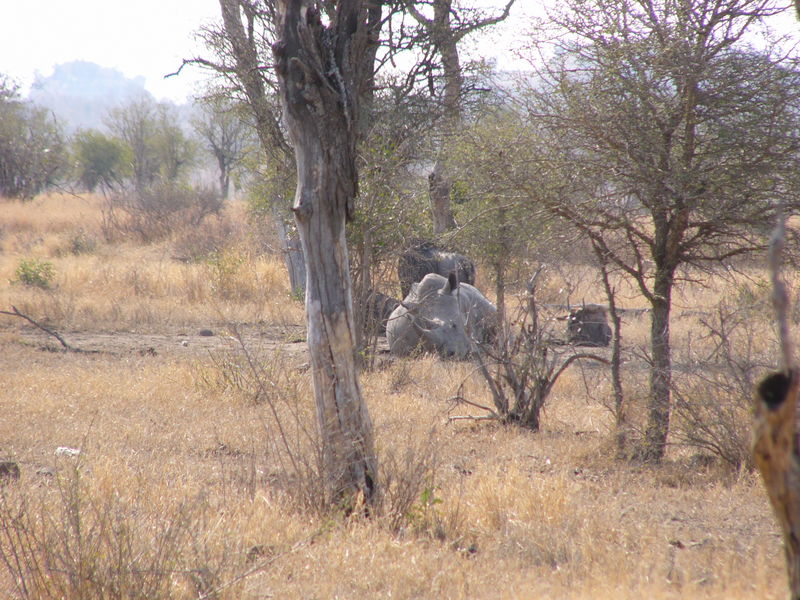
x=80, y=93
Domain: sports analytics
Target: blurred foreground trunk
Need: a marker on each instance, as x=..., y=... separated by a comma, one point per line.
x=776, y=455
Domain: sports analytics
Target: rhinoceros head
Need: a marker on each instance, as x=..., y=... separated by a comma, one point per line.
x=430, y=318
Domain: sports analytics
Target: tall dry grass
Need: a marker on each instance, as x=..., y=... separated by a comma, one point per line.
x=169, y=460
x=100, y=286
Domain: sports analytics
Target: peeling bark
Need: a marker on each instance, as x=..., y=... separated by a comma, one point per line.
x=320, y=69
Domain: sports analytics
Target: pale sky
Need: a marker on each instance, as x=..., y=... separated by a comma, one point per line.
x=146, y=38
x=149, y=38
x=137, y=37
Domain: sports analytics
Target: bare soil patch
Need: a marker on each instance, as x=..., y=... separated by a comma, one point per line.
x=174, y=342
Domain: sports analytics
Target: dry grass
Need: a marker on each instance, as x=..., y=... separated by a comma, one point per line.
x=99, y=286
x=178, y=483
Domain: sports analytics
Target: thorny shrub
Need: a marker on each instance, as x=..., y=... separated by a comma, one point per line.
x=158, y=211
x=522, y=366
x=712, y=395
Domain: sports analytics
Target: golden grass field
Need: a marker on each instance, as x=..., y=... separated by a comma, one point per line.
x=180, y=489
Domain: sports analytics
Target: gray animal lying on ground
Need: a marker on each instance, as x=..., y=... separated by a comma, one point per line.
x=440, y=315
x=425, y=257
x=588, y=326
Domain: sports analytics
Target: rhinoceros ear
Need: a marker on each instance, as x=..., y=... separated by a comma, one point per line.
x=452, y=283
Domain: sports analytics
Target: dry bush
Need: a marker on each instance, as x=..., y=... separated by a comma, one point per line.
x=73, y=540
x=158, y=211
x=77, y=242
x=212, y=237
x=266, y=377
x=523, y=364
x=715, y=377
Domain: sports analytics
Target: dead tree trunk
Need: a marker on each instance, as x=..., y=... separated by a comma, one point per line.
x=293, y=255
x=320, y=69
x=776, y=453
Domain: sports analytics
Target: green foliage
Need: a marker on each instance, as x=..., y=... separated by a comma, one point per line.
x=100, y=160
x=501, y=222
x=35, y=273
x=32, y=149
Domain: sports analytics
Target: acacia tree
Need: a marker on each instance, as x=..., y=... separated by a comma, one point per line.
x=156, y=144
x=99, y=160
x=672, y=140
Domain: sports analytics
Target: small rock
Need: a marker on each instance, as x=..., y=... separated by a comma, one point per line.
x=65, y=451
x=184, y=343
x=46, y=472
x=205, y=333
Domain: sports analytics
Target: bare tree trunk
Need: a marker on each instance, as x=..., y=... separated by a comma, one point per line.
x=439, y=186
x=319, y=68
x=655, y=441
x=616, y=359
x=500, y=292
x=440, y=183
x=293, y=256
x=445, y=36
x=224, y=181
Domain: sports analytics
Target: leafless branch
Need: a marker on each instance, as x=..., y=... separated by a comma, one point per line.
x=14, y=312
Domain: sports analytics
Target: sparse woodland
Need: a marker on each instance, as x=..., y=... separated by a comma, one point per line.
x=198, y=431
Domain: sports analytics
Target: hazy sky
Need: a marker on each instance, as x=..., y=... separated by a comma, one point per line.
x=149, y=38
x=137, y=37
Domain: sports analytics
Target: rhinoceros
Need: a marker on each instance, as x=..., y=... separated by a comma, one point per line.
x=441, y=315
x=588, y=326
x=425, y=257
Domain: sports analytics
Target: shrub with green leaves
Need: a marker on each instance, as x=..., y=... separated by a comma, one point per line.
x=34, y=272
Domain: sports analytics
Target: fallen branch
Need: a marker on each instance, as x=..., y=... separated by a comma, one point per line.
x=456, y=400
x=492, y=417
x=17, y=313
x=462, y=400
